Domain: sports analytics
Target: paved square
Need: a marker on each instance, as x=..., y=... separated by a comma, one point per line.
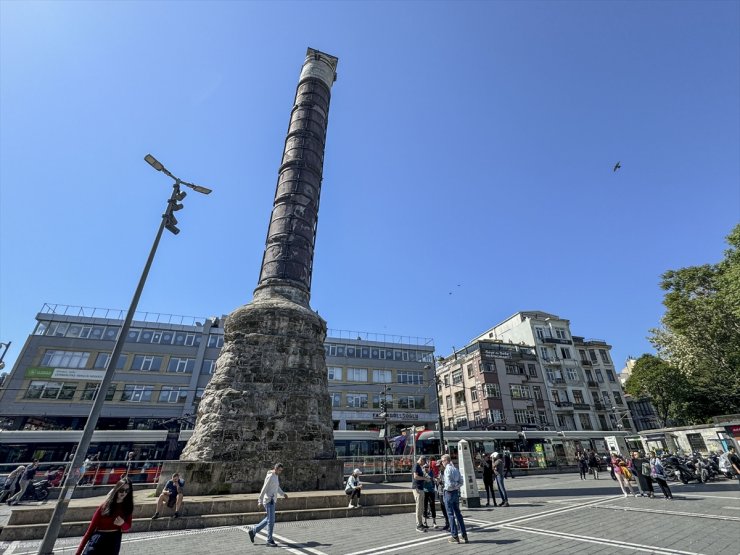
x=548, y=514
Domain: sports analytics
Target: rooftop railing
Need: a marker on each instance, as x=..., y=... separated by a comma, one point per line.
x=73, y=311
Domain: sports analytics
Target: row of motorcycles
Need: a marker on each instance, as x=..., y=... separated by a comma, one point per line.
x=696, y=467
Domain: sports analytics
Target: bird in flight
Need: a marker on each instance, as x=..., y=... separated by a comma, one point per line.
x=617, y=166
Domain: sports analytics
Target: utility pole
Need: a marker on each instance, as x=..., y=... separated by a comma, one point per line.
x=439, y=409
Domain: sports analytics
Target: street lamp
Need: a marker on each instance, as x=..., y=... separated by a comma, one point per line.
x=384, y=415
x=439, y=409
x=5, y=347
x=170, y=223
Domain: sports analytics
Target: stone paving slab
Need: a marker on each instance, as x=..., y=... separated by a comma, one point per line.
x=548, y=514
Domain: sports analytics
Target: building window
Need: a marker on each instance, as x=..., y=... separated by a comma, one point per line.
x=357, y=375
x=491, y=390
x=537, y=392
x=577, y=396
x=410, y=377
x=209, y=366
x=522, y=416
x=50, y=390
x=604, y=356
x=610, y=375
x=102, y=360
x=473, y=394
x=172, y=394
x=565, y=352
x=336, y=399
x=496, y=416
x=599, y=376
x=137, y=393
x=357, y=400
x=592, y=354
x=198, y=395
x=585, y=421
x=572, y=374
x=602, y=422
x=448, y=401
x=382, y=376
x=514, y=369
x=146, y=363
x=532, y=370
x=181, y=365
x=540, y=333
x=543, y=417
x=388, y=401
x=489, y=367
x=411, y=402
x=560, y=333
x=617, y=398
x=334, y=373
x=91, y=392
x=696, y=442
x=519, y=391
x=65, y=359
x=459, y=398
x=215, y=341
x=470, y=370
x=457, y=377
x=607, y=399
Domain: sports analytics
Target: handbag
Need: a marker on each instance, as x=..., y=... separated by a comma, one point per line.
x=645, y=469
x=627, y=473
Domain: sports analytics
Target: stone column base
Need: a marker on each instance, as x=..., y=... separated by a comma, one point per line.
x=220, y=478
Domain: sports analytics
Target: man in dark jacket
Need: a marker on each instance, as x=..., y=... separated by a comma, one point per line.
x=488, y=480
x=25, y=480
x=641, y=470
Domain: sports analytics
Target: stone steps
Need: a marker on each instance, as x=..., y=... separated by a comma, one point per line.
x=31, y=523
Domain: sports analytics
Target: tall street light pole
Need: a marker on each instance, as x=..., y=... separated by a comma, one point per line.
x=439, y=408
x=168, y=222
x=5, y=347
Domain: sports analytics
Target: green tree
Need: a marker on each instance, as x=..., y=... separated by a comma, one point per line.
x=700, y=333
x=666, y=385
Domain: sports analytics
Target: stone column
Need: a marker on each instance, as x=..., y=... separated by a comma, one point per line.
x=268, y=400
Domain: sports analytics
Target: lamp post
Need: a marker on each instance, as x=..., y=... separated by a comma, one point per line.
x=5, y=347
x=384, y=415
x=170, y=223
x=439, y=410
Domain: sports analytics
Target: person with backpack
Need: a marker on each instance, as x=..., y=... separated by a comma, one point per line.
x=453, y=481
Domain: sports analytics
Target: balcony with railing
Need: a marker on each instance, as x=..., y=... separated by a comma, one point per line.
x=556, y=341
x=581, y=406
x=564, y=405
x=586, y=362
x=599, y=406
x=592, y=383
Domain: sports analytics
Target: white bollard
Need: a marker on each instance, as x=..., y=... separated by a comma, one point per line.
x=469, y=492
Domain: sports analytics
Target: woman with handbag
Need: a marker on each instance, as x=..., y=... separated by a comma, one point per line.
x=114, y=516
x=642, y=473
x=658, y=474
x=622, y=474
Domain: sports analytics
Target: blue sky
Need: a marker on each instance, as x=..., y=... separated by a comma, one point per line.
x=470, y=151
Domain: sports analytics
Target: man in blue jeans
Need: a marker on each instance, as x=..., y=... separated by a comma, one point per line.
x=453, y=481
x=270, y=490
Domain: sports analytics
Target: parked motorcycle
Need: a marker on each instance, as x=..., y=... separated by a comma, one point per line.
x=37, y=491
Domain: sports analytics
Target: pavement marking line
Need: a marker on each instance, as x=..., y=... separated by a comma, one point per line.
x=737, y=498
x=601, y=541
x=11, y=549
x=677, y=513
x=733, y=508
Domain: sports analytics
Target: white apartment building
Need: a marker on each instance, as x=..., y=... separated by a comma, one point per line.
x=580, y=378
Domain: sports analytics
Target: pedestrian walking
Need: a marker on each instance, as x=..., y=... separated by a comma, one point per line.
x=453, y=481
x=488, y=480
x=267, y=498
x=498, y=474
x=354, y=489
x=26, y=479
x=593, y=463
x=622, y=474
x=583, y=464
x=641, y=471
x=11, y=482
x=112, y=517
x=429, y=488
x=657, y=474
x=418, y=481
x=507, y=464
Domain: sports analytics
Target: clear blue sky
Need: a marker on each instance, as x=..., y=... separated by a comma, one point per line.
x=468, y=143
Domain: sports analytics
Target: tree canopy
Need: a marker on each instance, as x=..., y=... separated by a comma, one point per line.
x=666, y=386
x=700, y=334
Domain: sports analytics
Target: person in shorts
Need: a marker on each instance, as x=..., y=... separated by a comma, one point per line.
x=172, y=495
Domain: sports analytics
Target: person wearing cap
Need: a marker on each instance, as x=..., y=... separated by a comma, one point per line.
x=354, y=488
x=268, y=494
x=453, y=483
x=417, y=486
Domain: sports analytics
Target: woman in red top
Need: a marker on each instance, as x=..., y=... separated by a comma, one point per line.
x=103, y=536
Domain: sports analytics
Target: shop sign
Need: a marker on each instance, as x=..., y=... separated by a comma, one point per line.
x=77, y=374
x=37, y=372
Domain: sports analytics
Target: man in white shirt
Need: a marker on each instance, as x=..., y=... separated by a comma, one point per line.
x=453, y=483
x=270, y=490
